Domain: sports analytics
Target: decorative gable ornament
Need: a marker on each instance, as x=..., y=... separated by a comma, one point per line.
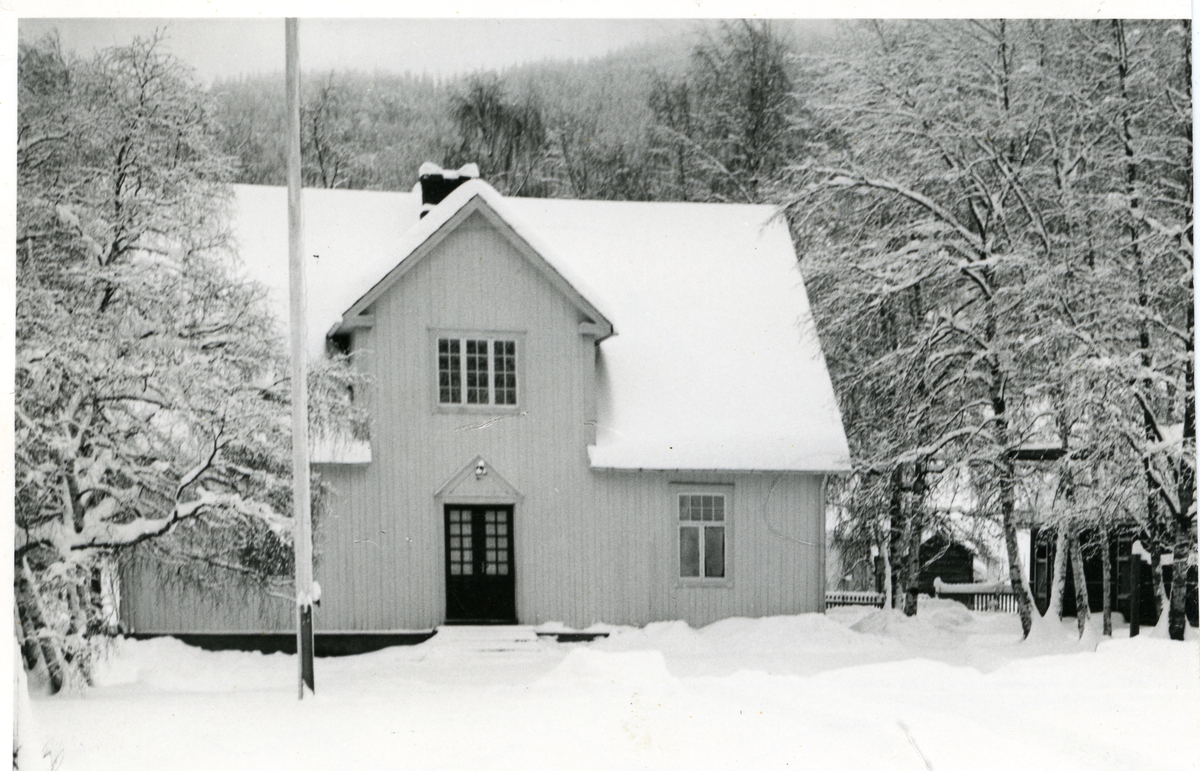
x=477, y=482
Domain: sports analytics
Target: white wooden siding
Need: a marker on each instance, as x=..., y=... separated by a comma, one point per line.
x=152, y=601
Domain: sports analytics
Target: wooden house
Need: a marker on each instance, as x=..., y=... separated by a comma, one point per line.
x=1043, y=554
x=940, y=557
x=951, y=561
x=582, y=411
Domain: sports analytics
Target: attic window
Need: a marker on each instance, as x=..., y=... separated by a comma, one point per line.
x=477, y=371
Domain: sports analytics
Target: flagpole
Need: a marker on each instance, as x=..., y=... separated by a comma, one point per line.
x=300, y=482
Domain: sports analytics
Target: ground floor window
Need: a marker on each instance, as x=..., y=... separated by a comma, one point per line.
x=703, y=533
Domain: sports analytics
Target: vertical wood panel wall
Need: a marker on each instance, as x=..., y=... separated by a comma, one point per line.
x=590, y=546
x=153, y=601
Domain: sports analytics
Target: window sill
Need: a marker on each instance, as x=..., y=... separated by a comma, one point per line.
x=476, y=409
x=704, y=583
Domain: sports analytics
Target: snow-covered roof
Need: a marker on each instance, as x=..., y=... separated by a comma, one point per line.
x=471, y=195
x=714, y=362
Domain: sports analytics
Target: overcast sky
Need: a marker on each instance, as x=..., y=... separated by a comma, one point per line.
x=230, y=47
x=223, y=47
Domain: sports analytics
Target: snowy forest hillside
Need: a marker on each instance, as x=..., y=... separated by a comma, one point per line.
x=994, y=221
x=599, y=128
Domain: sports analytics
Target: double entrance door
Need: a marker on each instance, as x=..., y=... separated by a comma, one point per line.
x=480, y=575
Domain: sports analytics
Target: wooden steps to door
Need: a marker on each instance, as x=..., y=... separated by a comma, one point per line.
x=492, y=638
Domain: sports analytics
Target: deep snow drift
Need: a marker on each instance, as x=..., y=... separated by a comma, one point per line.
x=856, y=688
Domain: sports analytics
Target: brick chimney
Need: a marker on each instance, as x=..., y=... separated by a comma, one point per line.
x=437, y=183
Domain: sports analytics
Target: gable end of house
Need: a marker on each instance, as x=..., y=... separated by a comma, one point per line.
x=359, y=315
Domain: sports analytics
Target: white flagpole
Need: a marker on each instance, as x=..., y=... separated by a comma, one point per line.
x=297, y=301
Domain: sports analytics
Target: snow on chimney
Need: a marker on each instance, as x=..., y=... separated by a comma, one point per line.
x=436, y=183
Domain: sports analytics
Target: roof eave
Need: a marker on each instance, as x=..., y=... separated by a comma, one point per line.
x=816, y=471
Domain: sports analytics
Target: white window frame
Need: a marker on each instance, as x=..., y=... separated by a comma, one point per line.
x=462, y=336
x=724, y=490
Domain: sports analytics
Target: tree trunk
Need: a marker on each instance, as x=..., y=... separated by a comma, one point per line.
x=887, y=568
x=1007, y=476
x=1156, y=578
x=1106, y=562
x=76, y=624
x=73, y=625
x=1149, y=426
x=895, y=535
x=912, y=572
x=1058, y=587
x=1082, y=607
x=29, y=651
x=1185, y=520
x=683, y=190
x=109, y=599
x=1020, y=588
x=87, y=604
x=31, y=606
x=997, y=389
x=78, y=634
x=917, y=525
x=1177, y=621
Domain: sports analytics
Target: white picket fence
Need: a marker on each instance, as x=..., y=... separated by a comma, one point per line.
x=842, y=598
x=994, y=597
x=998, y=602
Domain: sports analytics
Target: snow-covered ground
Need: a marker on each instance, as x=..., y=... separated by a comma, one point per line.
x=855, y=688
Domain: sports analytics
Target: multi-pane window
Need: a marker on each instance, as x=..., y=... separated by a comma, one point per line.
x=449, y=371
x=702, y=527
x=462, y=561
x=504, y=353
x=477, y=371
x=479, y=542
x=496, y=543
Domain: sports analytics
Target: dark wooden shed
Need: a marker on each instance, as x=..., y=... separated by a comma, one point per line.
x=948, y=560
